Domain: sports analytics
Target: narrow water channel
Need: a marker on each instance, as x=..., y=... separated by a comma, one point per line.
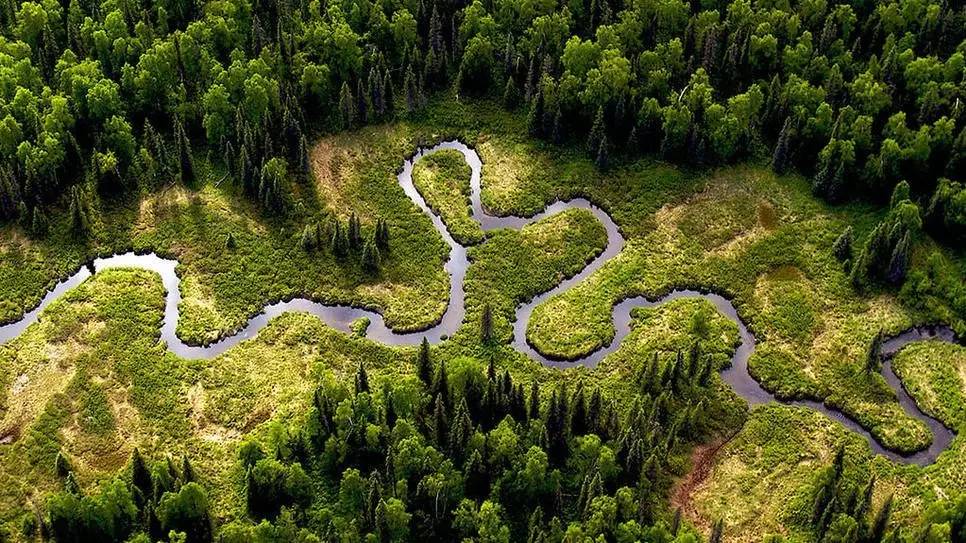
x=341, y=316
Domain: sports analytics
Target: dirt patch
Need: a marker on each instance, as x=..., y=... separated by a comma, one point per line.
x=702, y=460
x=326, y=160
x=767, y=217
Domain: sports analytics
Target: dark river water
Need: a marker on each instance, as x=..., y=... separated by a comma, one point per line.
x=341, y=317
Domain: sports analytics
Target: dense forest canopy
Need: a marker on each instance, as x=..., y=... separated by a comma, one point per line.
x=120, y=94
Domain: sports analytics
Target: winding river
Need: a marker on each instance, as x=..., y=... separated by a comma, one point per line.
x=341, y=316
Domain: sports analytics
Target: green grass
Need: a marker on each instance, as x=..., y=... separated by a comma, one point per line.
x=773, y=257
x=443, y=179
x=934, y=373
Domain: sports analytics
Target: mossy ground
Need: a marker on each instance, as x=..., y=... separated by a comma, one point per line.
x=443, y=179
x=764, y=480
x=97, y=384
x=765, y=242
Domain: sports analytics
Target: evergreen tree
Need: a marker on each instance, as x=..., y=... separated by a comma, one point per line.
x=140, y=476
x=602, y=160
x=598, y=134
x=486, y=324
x=62, y=466
x=187, y=471
x=363, y=106
x=362, y=379
x=186, y=165
x=578, y=418
x=355, y=232
x=309, y=241
x=79, y=221
x=535, y=117
x=873, y=356
x=340, y=240
x=780, y=158
x=370, y=257
x=441, y=383
x=425, y=366
x=534, y=411
x=899, y=262
x=440, y=423
x=881, y=522
x=382, y=235
x=347, y=107
x=842, y=249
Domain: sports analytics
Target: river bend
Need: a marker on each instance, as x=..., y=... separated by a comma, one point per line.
x=341, y=316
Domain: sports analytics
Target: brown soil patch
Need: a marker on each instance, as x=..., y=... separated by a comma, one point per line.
x=326, y=163
x=702, y=460
x=767, y=217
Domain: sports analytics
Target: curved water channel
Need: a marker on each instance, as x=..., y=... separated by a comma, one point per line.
x=342, y=316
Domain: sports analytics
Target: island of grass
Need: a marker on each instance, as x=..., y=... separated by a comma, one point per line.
x=443, y=179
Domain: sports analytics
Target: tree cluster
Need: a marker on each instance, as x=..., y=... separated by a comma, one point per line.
x=152, y=501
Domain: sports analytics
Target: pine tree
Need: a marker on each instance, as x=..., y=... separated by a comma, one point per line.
x=598, y=133
x=362, y=103
x=440, y=423
x=424, y=364
x=186, y=162
x=780, y=158
x=633, y=143
x=347, y=108
x=79, y=221
x=461, y=430
x=441, y=383
x=602, y=160
x=535, y=117
x=899, y=262
x=486, y=324
x=38, y=226
x=578, y=418
x=362, y=379
x=842, y=249
x=187, y=471
x=881, y=522
x=412, y=92
x=873, y=355
x=71, y=486
x=355, y=232
x=140, y=476
x=382, y=235
x=230, y=242
x=62, y=466
x=340, y=241
x=309, y=241
x=534, y=410
x=370, y=257
x=556, y=132
x=594, y=412
x=376, y=93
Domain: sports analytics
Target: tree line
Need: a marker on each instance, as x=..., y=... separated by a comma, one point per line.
x=119, y=94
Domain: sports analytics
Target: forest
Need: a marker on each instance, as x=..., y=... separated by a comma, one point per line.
x=842, y=121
